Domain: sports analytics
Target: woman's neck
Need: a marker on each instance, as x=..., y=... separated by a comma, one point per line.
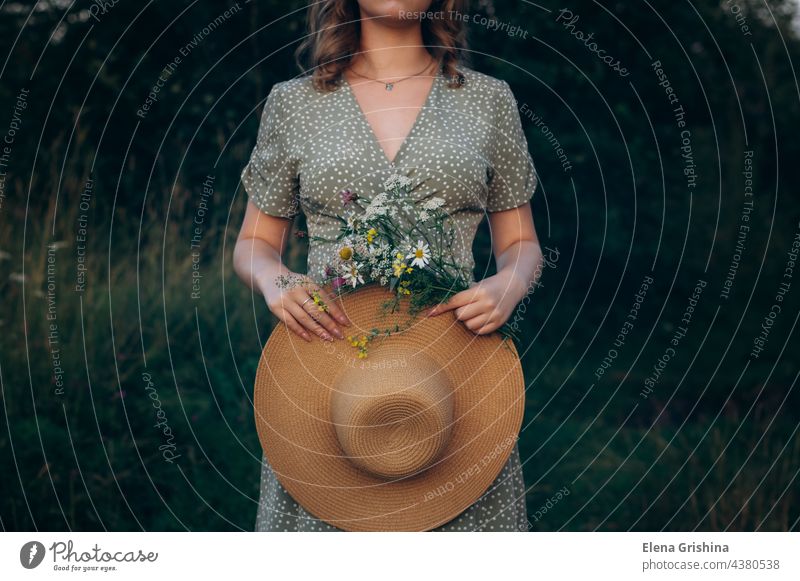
x=390, y=50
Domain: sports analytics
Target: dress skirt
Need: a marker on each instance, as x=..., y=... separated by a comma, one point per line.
x=501, y=508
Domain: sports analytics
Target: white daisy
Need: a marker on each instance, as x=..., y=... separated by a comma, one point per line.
x=420, y=253
x=346, y=249
x=353, y=275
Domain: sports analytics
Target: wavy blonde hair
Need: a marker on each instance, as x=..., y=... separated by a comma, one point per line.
x=334, y=29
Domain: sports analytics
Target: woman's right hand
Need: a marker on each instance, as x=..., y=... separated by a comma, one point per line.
x=296, y=307
x=257, y=261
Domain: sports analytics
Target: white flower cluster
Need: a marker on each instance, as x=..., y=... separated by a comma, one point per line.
x=433, y=204
x=377, y=207
x=396, y=182
x=429, y=208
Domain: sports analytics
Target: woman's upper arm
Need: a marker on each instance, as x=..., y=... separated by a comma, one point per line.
x=508, y=227
x=273, y=230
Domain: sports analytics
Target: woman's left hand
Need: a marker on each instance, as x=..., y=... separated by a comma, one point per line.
x=486, y=305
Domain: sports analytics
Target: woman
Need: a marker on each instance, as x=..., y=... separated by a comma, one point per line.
x=387, y=95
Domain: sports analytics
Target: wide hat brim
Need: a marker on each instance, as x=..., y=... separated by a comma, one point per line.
x=292, y=396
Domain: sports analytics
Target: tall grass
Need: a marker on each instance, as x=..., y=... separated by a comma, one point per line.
x=92, y=458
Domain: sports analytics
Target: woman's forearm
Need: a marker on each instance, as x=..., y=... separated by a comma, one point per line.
x=258, y=264
x=521, y=262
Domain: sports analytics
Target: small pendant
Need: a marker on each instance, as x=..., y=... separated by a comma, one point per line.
x=389, y=86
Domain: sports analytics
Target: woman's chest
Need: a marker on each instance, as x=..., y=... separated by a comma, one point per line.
x=445, y=153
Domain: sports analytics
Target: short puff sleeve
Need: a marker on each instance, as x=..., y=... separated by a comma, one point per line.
x=512, y=175
x=270, y=176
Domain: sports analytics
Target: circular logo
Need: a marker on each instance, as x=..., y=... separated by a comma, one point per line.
x=31, y=554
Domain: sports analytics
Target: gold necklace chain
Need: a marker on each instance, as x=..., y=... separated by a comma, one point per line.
x=390, y=86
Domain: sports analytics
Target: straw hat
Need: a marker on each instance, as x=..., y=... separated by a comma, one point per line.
x=403, y=440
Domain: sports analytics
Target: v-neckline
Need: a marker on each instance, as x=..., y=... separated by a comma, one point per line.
x=373, y=137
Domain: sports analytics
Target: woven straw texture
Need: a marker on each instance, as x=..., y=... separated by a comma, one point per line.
x=298, y=383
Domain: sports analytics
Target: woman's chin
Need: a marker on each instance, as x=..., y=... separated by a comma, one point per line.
x=395, y=12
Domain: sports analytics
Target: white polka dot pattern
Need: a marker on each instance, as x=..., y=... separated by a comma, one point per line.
x=467, y=147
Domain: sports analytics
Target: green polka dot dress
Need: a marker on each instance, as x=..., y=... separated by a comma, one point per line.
x=466, y=146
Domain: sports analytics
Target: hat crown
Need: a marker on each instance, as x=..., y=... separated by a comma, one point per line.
x=393, y=417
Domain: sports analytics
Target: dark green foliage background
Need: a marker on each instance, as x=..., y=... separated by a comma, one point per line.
x=714, y=447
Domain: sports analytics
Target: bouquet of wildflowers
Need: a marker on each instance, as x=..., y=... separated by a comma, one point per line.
x=391, y=241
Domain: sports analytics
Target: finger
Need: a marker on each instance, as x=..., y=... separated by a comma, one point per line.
x=295, y=327
x=306, y=321
x=471, y=311
x=283, y=315
x=483, y=325
x=334, y=308
x=305, y=297
x=457, y=300
x=489, y=327
x=322, y=318
x=476, y=323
